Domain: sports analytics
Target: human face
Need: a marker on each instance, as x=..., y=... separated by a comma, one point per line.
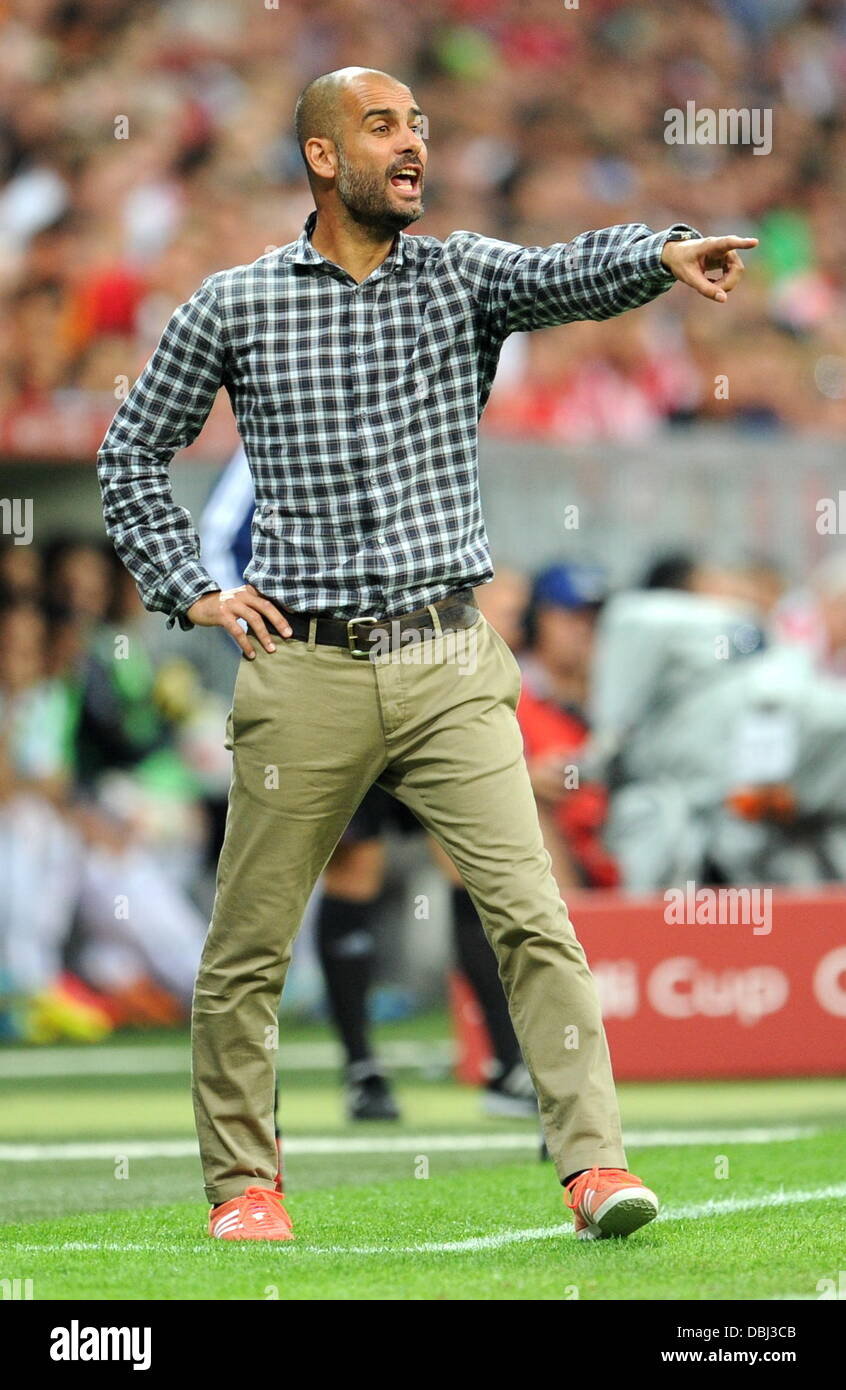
x=85, y=582
x=23, y=645
x=565, y=638
x=382, y=133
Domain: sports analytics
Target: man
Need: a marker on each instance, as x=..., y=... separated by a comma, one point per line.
x=668, y=676
x=358, y=361
x=566, y=600
x=725, y=748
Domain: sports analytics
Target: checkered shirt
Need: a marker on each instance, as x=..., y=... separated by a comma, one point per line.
x=358, y=406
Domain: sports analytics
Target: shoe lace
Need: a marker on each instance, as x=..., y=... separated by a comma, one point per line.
x=591, y=1177
x=266, y=1200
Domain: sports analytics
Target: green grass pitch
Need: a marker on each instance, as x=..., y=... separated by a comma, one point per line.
x=100, y=1192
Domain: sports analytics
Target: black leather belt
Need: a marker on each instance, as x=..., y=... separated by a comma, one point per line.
x=455, y=612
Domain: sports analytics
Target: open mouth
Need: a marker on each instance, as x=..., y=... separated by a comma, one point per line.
x=407, y=179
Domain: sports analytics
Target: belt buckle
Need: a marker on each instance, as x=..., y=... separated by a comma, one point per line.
x=352, y=642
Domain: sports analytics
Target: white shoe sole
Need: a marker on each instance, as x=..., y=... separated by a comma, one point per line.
x=621, y=1213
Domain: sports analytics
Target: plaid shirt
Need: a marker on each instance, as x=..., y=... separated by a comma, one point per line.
x=358, y=406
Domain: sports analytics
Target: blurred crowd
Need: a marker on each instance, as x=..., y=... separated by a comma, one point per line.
x=692, y=726
x=111, y=779
x=145, y=144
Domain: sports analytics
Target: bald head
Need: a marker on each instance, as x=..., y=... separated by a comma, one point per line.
x=320, y=113
x=362, y=139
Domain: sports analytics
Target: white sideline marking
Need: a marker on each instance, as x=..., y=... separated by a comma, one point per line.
x=393, y=1144
x=695, y=1211
x=726, y=1206
x=129, y=1060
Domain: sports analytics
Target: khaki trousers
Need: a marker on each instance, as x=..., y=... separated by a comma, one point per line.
x=311, y=728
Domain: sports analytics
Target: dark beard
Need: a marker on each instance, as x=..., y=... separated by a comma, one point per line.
x=365, y=198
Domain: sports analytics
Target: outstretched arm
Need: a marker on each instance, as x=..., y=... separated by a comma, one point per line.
x=595, y=276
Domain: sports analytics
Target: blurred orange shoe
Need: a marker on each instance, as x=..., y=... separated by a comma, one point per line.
x=609, y=1202
x=258, y=1214
x=144, y=1004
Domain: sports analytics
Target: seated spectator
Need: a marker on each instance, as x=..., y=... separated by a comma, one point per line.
x=552, y=714
x=39, y=846
x=97, y=809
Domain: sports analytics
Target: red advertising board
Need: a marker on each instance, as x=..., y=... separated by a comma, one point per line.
x=699, y=986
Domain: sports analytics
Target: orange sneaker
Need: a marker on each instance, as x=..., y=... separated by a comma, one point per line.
x=258, y=1214
x=609, y=1202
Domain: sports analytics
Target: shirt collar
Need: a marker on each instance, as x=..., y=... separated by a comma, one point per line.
x=303, y=253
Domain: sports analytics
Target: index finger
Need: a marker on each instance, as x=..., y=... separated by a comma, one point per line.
x=730, y=243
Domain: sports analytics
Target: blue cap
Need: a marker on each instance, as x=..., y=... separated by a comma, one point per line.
x=570, y=586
